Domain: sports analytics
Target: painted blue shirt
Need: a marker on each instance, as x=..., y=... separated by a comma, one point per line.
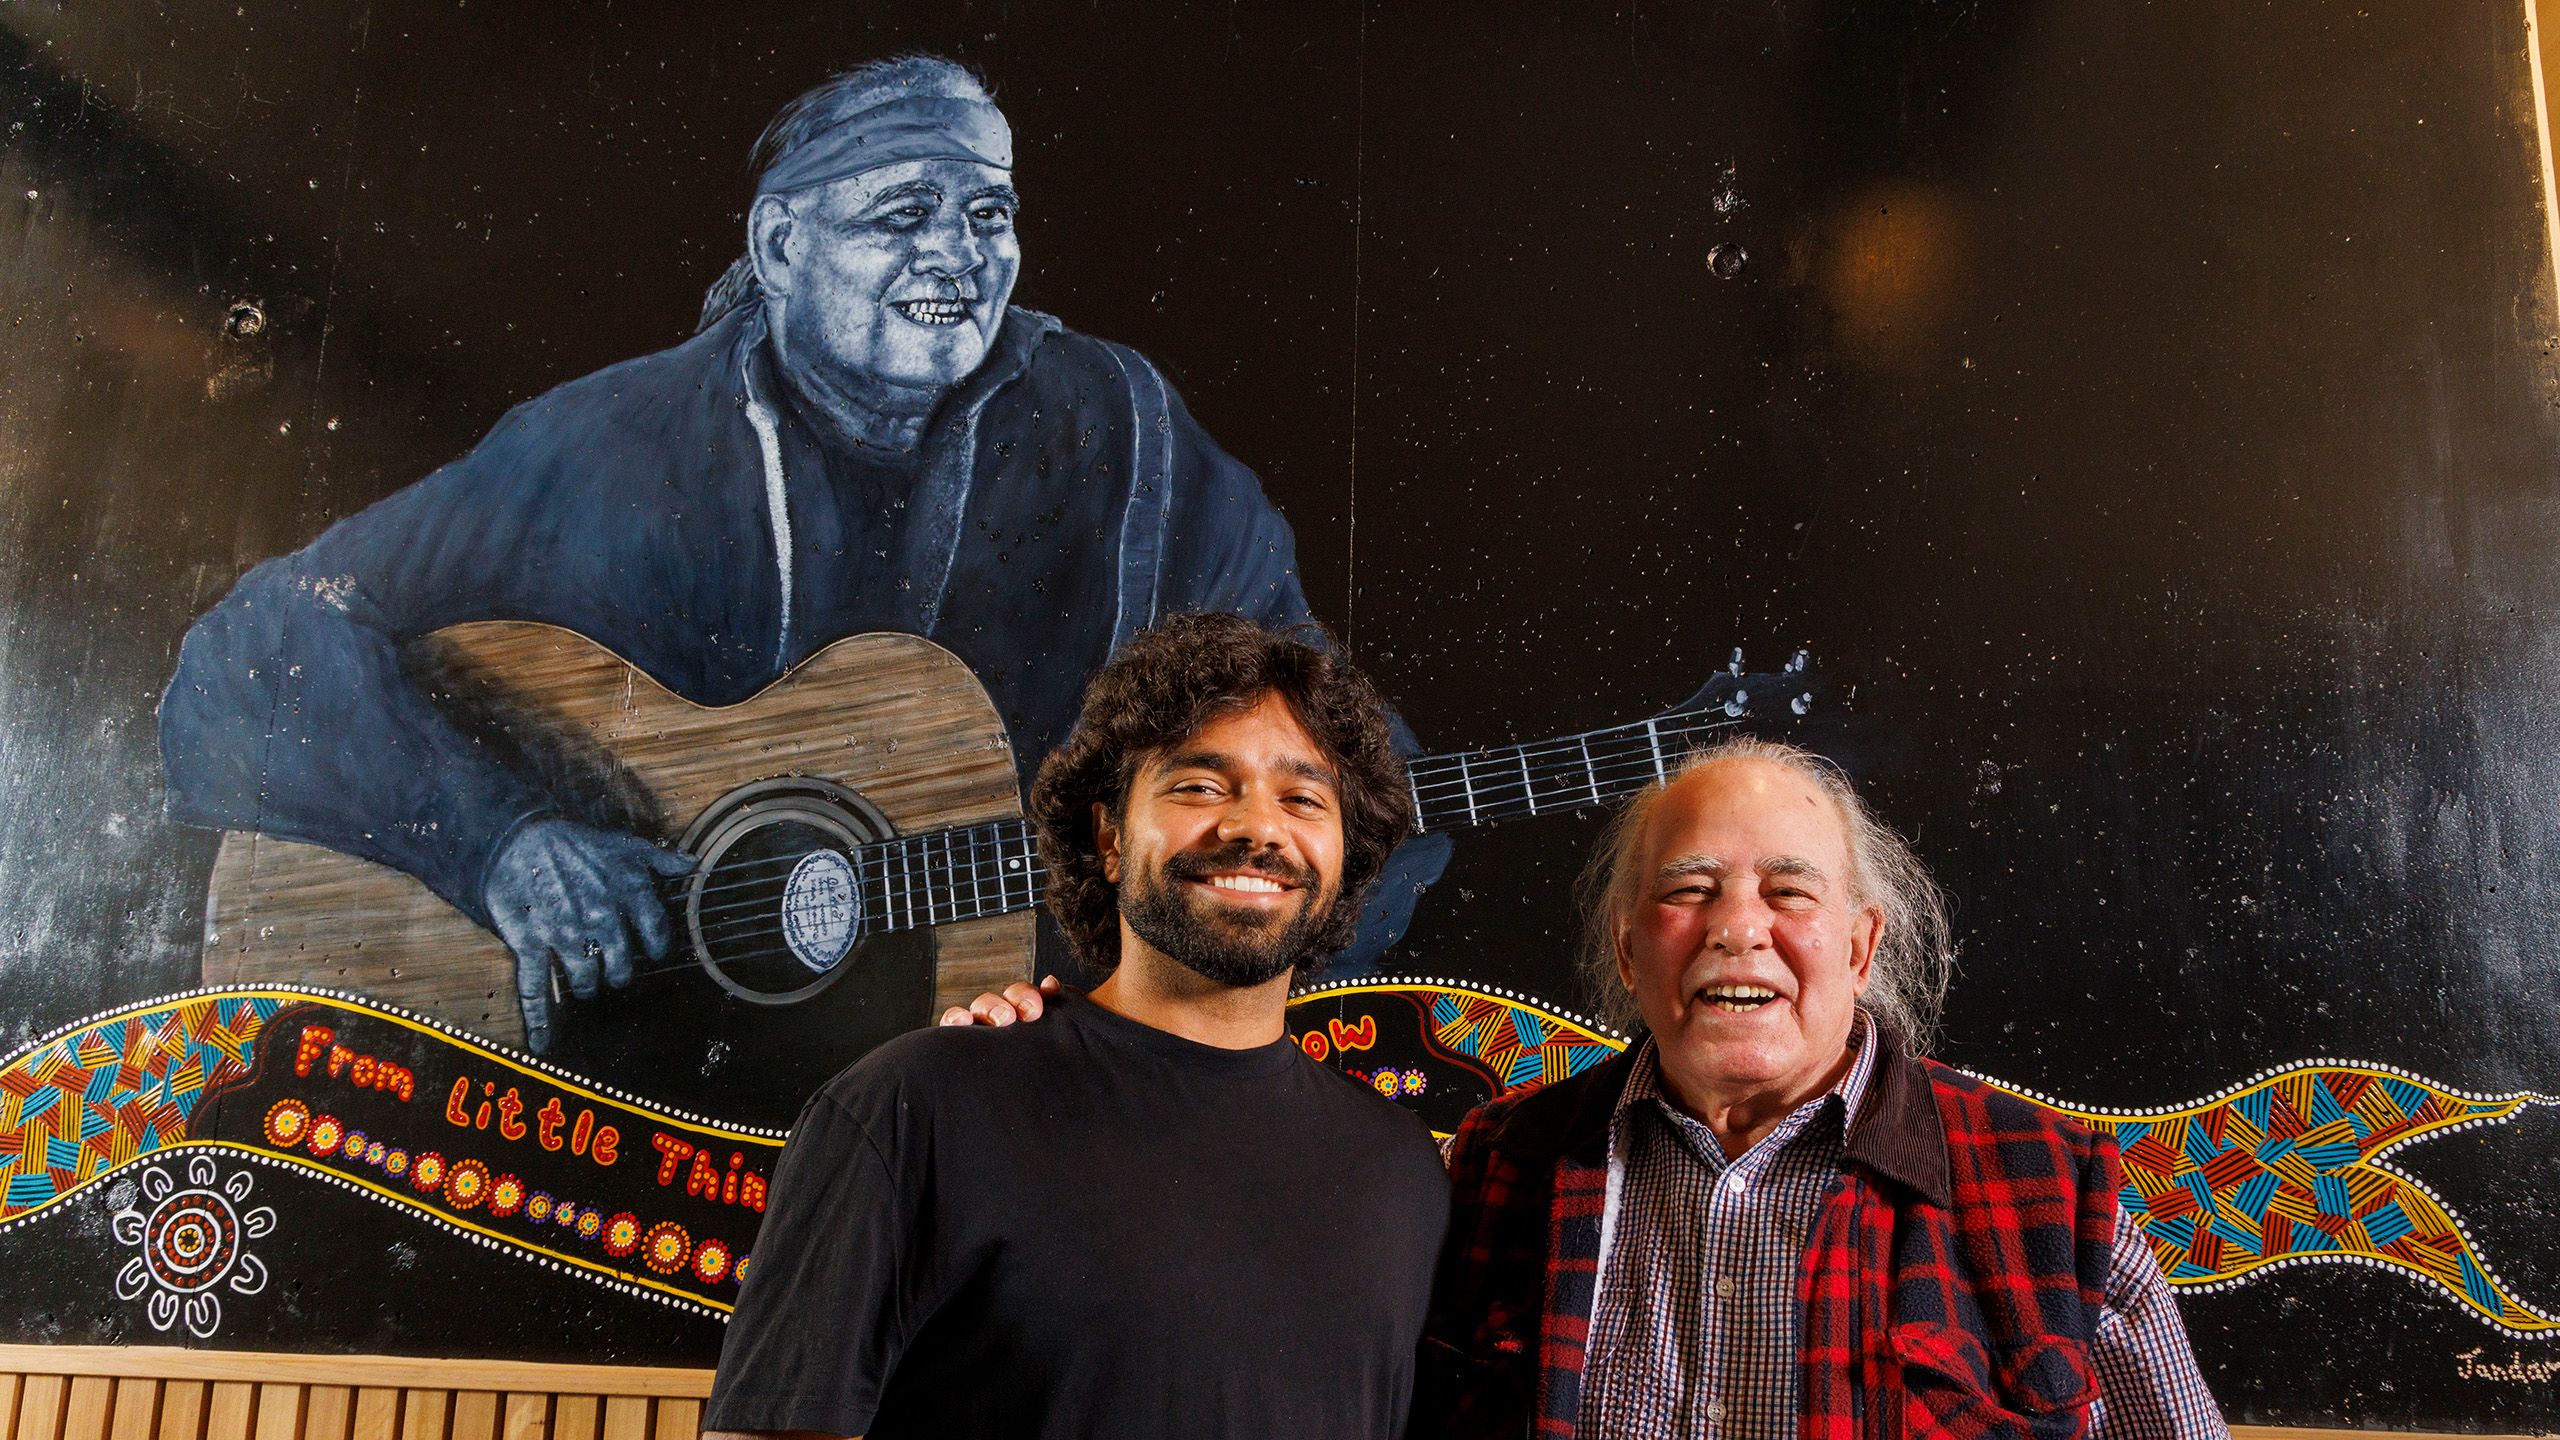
x=1052, y=508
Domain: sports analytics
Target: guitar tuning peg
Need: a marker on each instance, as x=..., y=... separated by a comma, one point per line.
x=1734, y=665
x=1740, y=701
x=1802, y=703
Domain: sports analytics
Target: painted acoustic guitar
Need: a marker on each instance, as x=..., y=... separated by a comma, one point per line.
x=862, y=856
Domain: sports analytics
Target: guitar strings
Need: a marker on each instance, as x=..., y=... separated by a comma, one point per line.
x=1615, y=778
x=995, y=832
x=1539, y=760
x=1457, y=771
x=1435, y=776
x=1438, y=781
x=971, y=867
x=1678, y=725
x=975, y=855
x=907, y=851
x=1502, y=792
x=934, y=893
x=1675, y=722
x=967, y=887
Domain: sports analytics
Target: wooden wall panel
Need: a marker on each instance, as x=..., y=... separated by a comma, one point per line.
x=40, y=1403
x=576, y=1417
x=678, y=1419
x=423, y=1414
x=137, y=1409
x=182, y=1409
x=87, y=1409
x=377, y=1414
x=279, y=1412
x=527, y=1417
x=228, y=1412
x=326, y=1410
x=475, y=1416
x=626, y=1417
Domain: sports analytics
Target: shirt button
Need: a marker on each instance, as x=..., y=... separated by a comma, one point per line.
x=1733, y=1183
x=1715, y=1409
x=1724, y=1287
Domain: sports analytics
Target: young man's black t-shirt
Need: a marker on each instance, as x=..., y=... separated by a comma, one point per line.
x=1088, y=1227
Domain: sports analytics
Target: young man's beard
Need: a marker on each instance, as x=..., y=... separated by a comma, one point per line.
x=1230, y=952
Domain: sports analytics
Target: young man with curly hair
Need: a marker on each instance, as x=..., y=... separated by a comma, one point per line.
x=1152, y=1215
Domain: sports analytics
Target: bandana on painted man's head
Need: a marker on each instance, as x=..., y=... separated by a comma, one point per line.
x=917, y=127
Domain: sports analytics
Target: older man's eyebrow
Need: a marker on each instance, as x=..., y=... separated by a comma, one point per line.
x=1794, y=866
x=1681, y=866
x=1004, y=193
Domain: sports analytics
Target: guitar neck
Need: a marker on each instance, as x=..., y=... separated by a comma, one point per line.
x=1573, y=772
x=942, y=876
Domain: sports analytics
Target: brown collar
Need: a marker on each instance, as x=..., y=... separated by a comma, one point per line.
x=1895, y=1136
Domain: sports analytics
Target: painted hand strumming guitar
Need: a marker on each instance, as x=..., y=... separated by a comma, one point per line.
x=861, y=856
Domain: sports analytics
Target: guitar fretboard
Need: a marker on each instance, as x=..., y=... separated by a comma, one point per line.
x=1573, y=772
x=993, y=868
x=946, y=875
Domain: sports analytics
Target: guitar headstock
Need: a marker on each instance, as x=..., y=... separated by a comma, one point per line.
x=1736, y=693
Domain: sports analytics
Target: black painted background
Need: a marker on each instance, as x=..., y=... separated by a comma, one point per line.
x=2146, y=408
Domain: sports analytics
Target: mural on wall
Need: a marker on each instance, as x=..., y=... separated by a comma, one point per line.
x=865, y=435
x=2288, y=1168
x=443, y=877
x=752, y=730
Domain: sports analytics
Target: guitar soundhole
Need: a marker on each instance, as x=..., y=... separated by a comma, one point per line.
x=774, y=910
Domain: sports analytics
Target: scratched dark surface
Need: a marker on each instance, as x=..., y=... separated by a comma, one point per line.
x=2143, y=412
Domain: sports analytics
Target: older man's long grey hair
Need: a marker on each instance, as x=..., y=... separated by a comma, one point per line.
x=1913, y=957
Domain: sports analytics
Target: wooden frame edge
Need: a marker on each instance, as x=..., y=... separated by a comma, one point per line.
x=168, y=1362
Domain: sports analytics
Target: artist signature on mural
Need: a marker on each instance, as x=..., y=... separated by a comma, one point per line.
x=2514, y=1370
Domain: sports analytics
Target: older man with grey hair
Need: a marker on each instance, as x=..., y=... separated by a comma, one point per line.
x=1772, y=1218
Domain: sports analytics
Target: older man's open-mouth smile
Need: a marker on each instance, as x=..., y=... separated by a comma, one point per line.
x=1737, y=998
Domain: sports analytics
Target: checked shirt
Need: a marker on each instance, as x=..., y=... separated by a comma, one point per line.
x=1697, y=1327
x=1964, y=1272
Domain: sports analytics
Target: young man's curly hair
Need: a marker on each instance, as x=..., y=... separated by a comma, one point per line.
x=1170, y=682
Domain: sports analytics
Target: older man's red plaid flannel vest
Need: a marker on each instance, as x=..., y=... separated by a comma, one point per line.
x=1951, y=1284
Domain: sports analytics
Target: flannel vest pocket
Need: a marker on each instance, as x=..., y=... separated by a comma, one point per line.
x=1954, y=1385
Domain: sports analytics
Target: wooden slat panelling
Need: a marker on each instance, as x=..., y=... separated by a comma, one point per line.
x=475, y=1416
x=90, y=1406
x=76, y=1392
x=389, y=1371
x=527, y=1417
x=182, y=1405
x=279, y=1412
x=325, y=1411
x=40, y=1407
x=422, y=1414
x=227, y=1413
x=137, y=1409
x=626, y=1417
x=377, y=1414
x=575, y=1417
x=679, y=1419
